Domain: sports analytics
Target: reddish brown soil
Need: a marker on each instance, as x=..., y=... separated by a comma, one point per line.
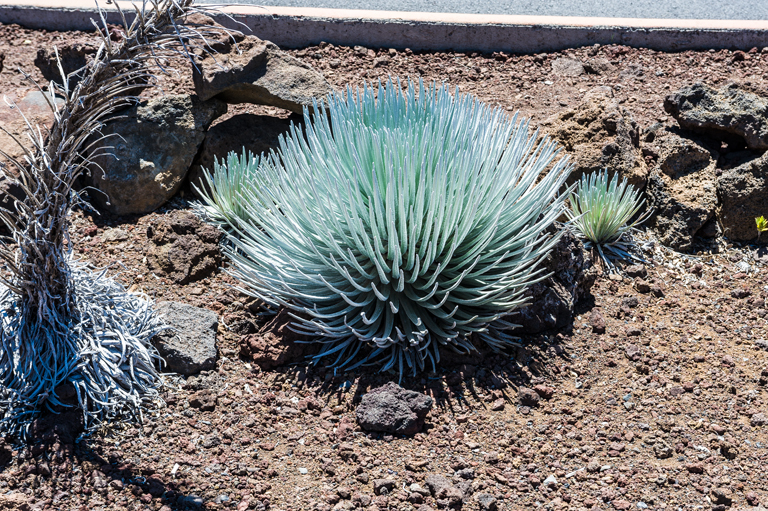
x=663, y=409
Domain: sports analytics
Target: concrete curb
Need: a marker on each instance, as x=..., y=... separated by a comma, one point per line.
x=297, y=27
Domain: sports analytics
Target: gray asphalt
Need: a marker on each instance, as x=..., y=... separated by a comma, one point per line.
x=675, y=9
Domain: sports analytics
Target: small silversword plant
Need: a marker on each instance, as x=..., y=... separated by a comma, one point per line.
x=600, y=214
x=400, y=222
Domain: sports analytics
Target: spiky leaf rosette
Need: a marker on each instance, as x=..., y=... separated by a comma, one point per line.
x=61, y=322
x=230, y=179
x=402, y=221
x=600, y=214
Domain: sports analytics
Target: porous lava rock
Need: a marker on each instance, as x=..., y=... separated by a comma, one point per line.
x=600, y=134
x=443, y=490
x=189, y=345
x=392, y=409
x=15, y=501
x=256, y=133
x=153, y=146
x=72, y=56
x=565, y=66
x=598, y=66
x=257, y=71
x=182, y=247
x=729, y=109
x=486, y=501
x=551, y=302
x=743, y=192
x=528, y=397
x=681, y=190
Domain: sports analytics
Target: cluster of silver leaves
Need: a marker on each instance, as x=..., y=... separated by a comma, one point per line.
x=103, y=350
x=398, y=222
x=60, y=322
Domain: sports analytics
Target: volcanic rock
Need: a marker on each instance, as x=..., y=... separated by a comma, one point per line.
x=383, y=486
x=486, y=501
x=743, y=192
x=73, y=56
x=189, y=346
x=600, y=134
x=276, y=344
x=681, y=188
x=183, y=247
x=392, y=409
x=565, y=66
x=256, y=71
x=154, y=144
x=15, y=501
x=598, y=66
x=442, y=489
x=759, y=419
x=528, y=397
x=551, y=302
x=597, y=321
x=727, y=110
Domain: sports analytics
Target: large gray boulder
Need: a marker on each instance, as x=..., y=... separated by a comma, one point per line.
x=189, y=346
x=600, y=134
x=256, y=133
x=743, y=192
x=256, y=71
x=154, y=144
x=392, y=409
x=729, y=110
x=681, y=188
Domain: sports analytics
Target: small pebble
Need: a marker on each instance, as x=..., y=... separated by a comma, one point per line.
x=550, y=481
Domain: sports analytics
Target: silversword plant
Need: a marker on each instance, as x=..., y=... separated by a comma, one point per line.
x=400, y=222
x=601, y=211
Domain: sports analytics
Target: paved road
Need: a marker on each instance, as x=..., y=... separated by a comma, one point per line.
x=680, y=9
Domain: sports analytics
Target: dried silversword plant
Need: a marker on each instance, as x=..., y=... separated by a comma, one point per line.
x=63, y=323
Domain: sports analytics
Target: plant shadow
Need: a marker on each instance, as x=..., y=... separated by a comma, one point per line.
x=57, y=455
x=460, y=385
